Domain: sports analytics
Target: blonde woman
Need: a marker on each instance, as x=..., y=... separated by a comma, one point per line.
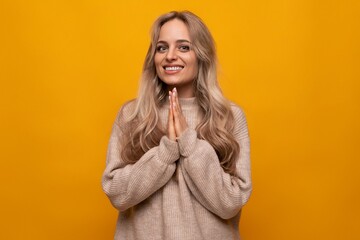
x=178, y=164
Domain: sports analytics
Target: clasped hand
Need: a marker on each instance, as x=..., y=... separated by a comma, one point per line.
x=176, y=123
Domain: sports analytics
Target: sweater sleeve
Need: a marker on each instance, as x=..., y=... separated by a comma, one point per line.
x=219, y=192
x=128, y=184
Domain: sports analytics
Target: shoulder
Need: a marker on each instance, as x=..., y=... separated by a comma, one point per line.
x=126, y=111
x=237, y=111
x=240, y=119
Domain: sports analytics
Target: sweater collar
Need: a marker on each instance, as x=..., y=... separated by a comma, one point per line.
x=186, y=103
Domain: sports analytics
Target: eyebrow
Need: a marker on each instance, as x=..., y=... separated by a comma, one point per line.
x=177, y=41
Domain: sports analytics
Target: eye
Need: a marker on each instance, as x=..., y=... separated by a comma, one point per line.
x=184, y=48
x=161, y=48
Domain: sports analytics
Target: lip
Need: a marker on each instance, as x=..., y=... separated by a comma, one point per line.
x=172, y=69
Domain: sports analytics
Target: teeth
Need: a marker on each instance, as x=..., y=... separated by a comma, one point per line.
x=173, y=68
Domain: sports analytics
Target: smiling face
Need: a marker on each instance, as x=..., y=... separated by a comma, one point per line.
x=175, y=61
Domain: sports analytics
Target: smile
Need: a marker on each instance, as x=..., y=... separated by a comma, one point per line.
x=173, y=68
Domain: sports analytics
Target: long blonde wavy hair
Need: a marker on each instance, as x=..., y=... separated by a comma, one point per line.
x=144, y=130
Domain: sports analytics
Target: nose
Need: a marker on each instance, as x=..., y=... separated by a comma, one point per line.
x=171, y=54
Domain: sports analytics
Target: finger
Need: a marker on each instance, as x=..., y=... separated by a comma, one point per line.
x=177, y=114
x=171, y=127
x=174, y=103
x=170, y=99
x=170, y=105
x=177, y=101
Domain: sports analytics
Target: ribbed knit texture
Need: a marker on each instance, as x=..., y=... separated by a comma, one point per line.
x=178, y=190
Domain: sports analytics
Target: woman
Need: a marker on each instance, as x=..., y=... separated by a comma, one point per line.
x=178, y=162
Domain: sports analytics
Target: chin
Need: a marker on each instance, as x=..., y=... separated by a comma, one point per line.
x=171, y=82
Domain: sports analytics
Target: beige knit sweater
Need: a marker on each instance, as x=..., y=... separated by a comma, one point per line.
x=178, y=189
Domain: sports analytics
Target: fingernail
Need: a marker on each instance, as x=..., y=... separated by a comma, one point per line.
x=175, y=89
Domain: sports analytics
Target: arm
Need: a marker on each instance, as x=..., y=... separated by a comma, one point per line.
x=219, y=192
x=128, y=184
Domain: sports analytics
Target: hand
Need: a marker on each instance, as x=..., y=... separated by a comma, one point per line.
x=177, y=123
x=171, y=125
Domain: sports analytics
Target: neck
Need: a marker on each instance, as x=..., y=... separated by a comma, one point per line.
x=183, y=92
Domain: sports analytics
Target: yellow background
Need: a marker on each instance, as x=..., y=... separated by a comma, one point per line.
x=67, y=66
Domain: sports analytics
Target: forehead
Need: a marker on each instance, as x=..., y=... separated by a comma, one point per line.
x=174, y=30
